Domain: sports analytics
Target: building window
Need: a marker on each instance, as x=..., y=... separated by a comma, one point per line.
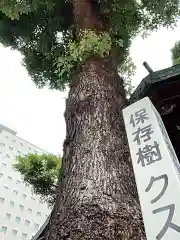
x=6, y=188
x=15, y=193
x=18, y=152
x=24, y=236
x=29, y=210
x=11, y=148
x=21, y=207
x=33, y=198
x=8, y=216
x=7, y=156
x=18, y=219
x=2, y=144
x=11, y=204
x=24, y=196
x=38, y=214
x=1, y=175
x=29, y=148
x=18, y=182
x=9, y=178
x=4, y=165
x=14, y=232
x=27, y=223
x=4, y=229
x=36, y=226
x=2, y=200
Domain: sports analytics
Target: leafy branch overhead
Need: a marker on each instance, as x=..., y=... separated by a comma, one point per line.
x=45, y=33
x=77, y=52
x=41, y=172
x=175, y=52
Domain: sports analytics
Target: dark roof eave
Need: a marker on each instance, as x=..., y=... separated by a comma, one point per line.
x=154, y=78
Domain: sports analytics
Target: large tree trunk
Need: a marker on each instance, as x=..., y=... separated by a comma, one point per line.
x=97, y=193
x=97, y=196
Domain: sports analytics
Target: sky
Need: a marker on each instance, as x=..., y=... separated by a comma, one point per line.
x=38, y=114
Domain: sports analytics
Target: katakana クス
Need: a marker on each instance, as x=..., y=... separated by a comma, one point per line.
x=165, y=185
x=168, y=223
x=139, y=117
x=149, y=154
x=144, y=133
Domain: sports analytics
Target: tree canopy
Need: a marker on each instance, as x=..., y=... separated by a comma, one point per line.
x=175, y=53
x=44, y=31
x=41, y=172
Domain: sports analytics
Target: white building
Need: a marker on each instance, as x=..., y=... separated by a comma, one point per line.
x=21, y=212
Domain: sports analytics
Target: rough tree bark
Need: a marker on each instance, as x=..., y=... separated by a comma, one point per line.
x=97, y=196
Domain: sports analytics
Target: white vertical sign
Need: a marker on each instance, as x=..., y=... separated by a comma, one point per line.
x=157, y=170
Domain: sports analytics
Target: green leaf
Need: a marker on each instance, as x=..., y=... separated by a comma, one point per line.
x=41, y=172
x=175, y=53
x=44, y=30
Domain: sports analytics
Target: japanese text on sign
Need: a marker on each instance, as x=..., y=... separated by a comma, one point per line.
x=155, y=164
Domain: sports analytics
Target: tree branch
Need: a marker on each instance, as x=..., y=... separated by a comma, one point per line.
x=85, y=15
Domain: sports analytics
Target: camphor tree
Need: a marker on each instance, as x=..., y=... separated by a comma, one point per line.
x=175, y=53
x=84, y=43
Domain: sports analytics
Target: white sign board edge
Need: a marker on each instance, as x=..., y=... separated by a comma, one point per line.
x=168, y=166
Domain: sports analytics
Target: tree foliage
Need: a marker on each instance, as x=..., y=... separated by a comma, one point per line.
x=41, y=172
x=175, y=53
x=44, y=32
